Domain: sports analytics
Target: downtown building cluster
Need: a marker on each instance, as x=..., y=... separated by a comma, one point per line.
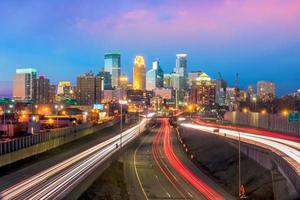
x=153, y=88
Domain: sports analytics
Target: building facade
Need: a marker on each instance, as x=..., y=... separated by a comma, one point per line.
x=42, y=90
x=112, y=64
x=106, y=80
x=203, y=91
x=181, y=69
x=88, y=89
x=221, y=92
x=24, y=84
x=265, y=91
x=139, y=76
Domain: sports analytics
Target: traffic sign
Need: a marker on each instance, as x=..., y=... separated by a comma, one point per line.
x=294, y=117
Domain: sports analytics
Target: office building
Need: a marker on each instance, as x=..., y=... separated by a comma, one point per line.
x=265, y=91
x=24, y=84
x=167, y=80
x=112, y=64
x=231, y=98
x=203, y=91
x=181, y=69
x=154, y=77
x=176, y=81
x=139, y=76
x=106, y=80
x=52, y=94
x=88, y=89
x=193, y=76
x=42, y=90
x=221, y=92
x=124, y=82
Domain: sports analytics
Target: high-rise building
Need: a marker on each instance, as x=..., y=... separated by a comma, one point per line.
x=181, y=69
x=176, y=81
x=112, y=64
x=123, y=82
x=151, y=79
x=24, y=84
x=265, y=91
x=221, y=92
x=88, y=89
x=139, y=76
x=154, y=77
x=52, y=94
x=193, y=76
x=250, y=92
x=42, y=90
x=167, y=80
x=203, y=90
x=231, y=98
x=64, y=88
x=106, y=80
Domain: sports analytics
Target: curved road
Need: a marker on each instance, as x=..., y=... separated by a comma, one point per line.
x=162, y=170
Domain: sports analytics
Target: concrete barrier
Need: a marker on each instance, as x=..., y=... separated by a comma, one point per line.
x=42, y=146
x=271, y=122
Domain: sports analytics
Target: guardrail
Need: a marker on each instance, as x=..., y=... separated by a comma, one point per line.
x=264, y=121
x=27, y=141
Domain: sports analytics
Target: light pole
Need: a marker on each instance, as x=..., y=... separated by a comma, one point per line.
x=56, y=109
x=122, y=102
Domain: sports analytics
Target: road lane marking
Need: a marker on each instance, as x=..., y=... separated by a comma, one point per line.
x=136, y=172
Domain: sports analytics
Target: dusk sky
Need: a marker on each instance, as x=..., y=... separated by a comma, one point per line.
x=260, y=39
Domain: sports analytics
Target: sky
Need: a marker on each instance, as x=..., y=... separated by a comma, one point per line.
x=259, y=39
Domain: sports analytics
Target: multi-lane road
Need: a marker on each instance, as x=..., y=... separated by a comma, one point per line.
x=287, y=147
x=57, y=181
x=163, y=171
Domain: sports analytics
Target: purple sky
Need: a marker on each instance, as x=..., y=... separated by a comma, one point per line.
x=258, y=39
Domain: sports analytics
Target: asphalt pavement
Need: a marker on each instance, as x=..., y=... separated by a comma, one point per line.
x=150, y=175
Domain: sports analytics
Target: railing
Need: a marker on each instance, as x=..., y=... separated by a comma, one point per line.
x=27, y=141
x=265, y=121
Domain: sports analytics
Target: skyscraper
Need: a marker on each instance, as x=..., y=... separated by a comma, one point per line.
x=154, y=77
x=42, y=90
x=106, y=80
x=193, y=76
x=221, y=92
x=203, y=90
x=112, y=64
x=151, y=79
x=24, y=84
x=265, y=91
x=139, y=79
x=124, y=82
x=88, y=89
x=167, y=80
x=181, y=69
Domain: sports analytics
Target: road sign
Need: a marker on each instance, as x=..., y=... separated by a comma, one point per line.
x=294, y=117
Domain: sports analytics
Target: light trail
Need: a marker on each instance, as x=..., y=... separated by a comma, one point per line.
x=163, y=166
x=289, y=148
x=182, y=169
x=59, y=180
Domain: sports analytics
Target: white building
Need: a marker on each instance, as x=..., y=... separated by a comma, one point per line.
x=24, y=84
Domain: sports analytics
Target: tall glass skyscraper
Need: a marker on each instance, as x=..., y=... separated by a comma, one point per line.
x=139, y=76
x=181, y=69
x=155, y=77
x=112, y=64
x=24, y=84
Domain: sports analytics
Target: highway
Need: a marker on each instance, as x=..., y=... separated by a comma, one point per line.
x=163, y=171
x=290, y=148
x=58, y=180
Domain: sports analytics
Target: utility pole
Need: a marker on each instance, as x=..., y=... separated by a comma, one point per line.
x=237, y=107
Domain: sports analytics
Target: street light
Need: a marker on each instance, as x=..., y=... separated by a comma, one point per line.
x=122, y=102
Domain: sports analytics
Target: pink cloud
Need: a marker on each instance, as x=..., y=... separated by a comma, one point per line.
x=228, y=19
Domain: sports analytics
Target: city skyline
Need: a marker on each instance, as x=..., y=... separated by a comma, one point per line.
x=264, y=38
